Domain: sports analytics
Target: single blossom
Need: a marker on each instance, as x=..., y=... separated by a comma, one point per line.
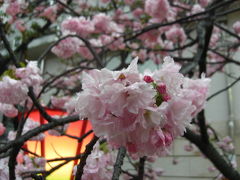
x=8, y=110
x=8, y=89
x=158, y=9
x=236, y=27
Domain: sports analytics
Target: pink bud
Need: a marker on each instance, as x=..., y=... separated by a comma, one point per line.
x=161, y=88
x=2, y=129
x=188, y=147
x=166, y=97
x=211, y=169
x=168, y=138
x=131, y=148
x=148, y=79
x=20, y=158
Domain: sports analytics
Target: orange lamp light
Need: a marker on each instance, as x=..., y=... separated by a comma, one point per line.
x=60, y=146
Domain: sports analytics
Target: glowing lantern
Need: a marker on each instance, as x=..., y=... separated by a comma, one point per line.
x=60, y=146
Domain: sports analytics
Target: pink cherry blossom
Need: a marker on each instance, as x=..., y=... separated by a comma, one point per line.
x=66, y=48
x=70, y=105
x=8, y=110
x=99, y=164
x=196, y=9
x=124, y=107
x=158, y=9
x=188, y=147
x=85, y=52
x=57, y=131
x=29, y=125
x=197, y=91
x=142, y=54
x=29, y=75
x=236, y=27
x=50, y=13
x=176, y=35
x=226, y=144
x=12, y=91
x=129, y=2
x=59, y=102
x=11, y=135
x=13, y=8
x=137, y=12
x=4, y=172
x=204, y=3
x=81, y=26
x=29, y=164
x=2, y=129
x=20, y=25
x=148, y=79
x=105, y=24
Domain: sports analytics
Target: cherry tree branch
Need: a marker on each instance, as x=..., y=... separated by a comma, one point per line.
x=227, y=31
x=186, y=19
x=224, y=89
x=82, y=163
x=141, y=168
x=213, y=155
x=7, y=45
x=67, y=7
x=36, y=131
x=119, y=162
x=38, y=105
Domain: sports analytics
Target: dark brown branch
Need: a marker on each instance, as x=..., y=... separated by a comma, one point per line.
x=119, y=162
x=141, y=168
x=186, y=19
x=227, y=12
x=203, y=127
x=114, y=4
x=228, y=59
x=12, y=162
x=38, y=105
x=7, y=45
x=213, y=155
x=61, y=75
x=67, y=160
x=79, y=138
x=82, y=163
x=67, y=7
x=227, y=31
x=36, y=131
x=224, y=89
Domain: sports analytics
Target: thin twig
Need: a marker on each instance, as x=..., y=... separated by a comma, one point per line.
x=37, y=130
x=7, y=45
x=119, y=162
x=82, y=163
x=38, y=105
x=141, y=168
x=224, y=89
x=79, y=138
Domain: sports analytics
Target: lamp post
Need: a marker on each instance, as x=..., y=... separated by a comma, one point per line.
x=60, y=146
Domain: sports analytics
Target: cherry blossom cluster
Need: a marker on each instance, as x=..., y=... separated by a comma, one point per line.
x=25, y=164
x=100, y=24
x=29, y=125
x=226, y=144
x=14, y=87
x=142, y=112
x=99, y=163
